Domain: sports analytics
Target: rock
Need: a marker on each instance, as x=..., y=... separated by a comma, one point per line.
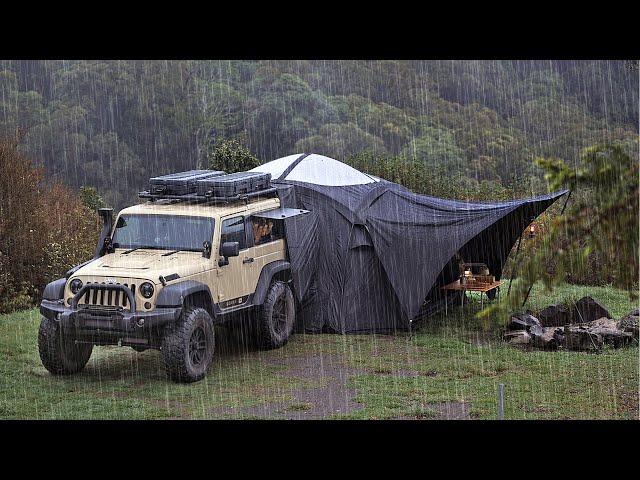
x=555, y=316
x=522, y=321
x=613, y=337
x=580, y=338
x=548, y=338
x=603, y=322
x=518, y=337
x=587, y=310
x=629, y=323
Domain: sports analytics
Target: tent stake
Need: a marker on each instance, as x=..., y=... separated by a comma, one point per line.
x=514, y=264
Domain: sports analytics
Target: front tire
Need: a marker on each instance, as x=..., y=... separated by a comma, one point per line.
x=277, y=317
x=58, y=351
x=188, y=346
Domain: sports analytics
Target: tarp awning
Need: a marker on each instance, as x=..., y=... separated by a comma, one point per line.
x=371, y=251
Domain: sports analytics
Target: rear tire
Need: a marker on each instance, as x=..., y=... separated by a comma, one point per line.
x=58, y=351
x=277, y=317
x=188, y=346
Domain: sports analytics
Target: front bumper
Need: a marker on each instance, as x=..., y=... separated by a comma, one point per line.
x=109, y=324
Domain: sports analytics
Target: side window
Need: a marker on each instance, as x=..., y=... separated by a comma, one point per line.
x=266, y=230
x=233, y=231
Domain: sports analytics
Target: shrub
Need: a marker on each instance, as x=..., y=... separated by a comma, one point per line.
x=44, y=230
x=230, y=156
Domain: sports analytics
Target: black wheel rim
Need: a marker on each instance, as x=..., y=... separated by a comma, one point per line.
x=197, y=346
x=280, y=315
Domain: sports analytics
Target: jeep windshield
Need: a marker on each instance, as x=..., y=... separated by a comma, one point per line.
x=162, y=232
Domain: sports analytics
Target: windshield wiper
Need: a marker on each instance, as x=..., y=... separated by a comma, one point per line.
x=170, y=253
x=138, y=248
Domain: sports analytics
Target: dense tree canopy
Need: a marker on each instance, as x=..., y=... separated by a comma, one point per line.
x=113, y=124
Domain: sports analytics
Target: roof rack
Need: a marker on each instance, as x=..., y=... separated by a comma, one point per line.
x=209, y=186
x=268, y=192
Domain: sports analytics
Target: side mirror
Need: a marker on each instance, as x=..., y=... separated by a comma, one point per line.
x=229, y=249
x=206, y=249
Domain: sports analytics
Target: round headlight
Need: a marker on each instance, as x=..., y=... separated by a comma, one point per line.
x=75, y=286
x=146, y=289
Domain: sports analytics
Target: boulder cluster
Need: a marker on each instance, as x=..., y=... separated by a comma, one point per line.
x=587, y=326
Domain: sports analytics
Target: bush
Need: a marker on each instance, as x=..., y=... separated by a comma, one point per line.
x=44, y=230
x=230, y=156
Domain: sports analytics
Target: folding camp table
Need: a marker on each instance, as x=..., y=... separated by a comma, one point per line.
x=471, y=287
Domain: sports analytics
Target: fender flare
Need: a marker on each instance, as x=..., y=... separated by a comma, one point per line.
x=174, y=295
x=266, y=275
x=54, y=290
x=77, y=267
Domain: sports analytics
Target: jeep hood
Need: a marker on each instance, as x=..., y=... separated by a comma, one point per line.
x=147, y=264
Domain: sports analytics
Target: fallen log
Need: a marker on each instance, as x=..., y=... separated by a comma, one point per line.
x=518, y=337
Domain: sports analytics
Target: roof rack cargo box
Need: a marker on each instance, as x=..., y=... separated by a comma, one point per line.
x=234, y=184
x=180, y=183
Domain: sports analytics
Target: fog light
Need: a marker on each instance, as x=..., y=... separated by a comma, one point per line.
x=147, y=305
x=141, y=322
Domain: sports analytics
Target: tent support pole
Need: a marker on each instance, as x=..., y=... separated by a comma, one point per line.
x=527, y=295
x=565, y=202
x=514, y=264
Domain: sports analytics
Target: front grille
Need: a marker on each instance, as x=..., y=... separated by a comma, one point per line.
x=110, y=297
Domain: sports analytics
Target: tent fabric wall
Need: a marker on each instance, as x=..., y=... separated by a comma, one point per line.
x=347, y=291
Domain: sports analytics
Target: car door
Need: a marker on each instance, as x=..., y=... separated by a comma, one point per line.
x=236, y=280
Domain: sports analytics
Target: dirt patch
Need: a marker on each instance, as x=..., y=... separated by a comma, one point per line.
x=328, y=396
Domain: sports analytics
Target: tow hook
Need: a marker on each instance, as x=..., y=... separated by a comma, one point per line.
x=140, y=322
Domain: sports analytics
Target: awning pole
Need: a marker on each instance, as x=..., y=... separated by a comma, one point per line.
x=515, y=264
x=565, y=202
x=527, y=295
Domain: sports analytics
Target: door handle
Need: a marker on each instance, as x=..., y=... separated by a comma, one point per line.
x=248, y=260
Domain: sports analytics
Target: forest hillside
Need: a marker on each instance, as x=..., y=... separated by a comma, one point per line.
x=113, y=124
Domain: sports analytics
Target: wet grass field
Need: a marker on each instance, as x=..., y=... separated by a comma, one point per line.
x=449, y=368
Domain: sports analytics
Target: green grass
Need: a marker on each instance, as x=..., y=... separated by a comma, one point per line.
x=450, y=359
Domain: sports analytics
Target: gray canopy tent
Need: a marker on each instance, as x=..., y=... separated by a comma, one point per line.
x=370, y=252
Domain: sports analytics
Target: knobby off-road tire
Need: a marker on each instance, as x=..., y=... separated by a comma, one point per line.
x=277, y=317
x=58, y=351
x=188, y=346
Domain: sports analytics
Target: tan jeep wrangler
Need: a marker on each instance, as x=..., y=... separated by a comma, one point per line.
x=164, y=273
